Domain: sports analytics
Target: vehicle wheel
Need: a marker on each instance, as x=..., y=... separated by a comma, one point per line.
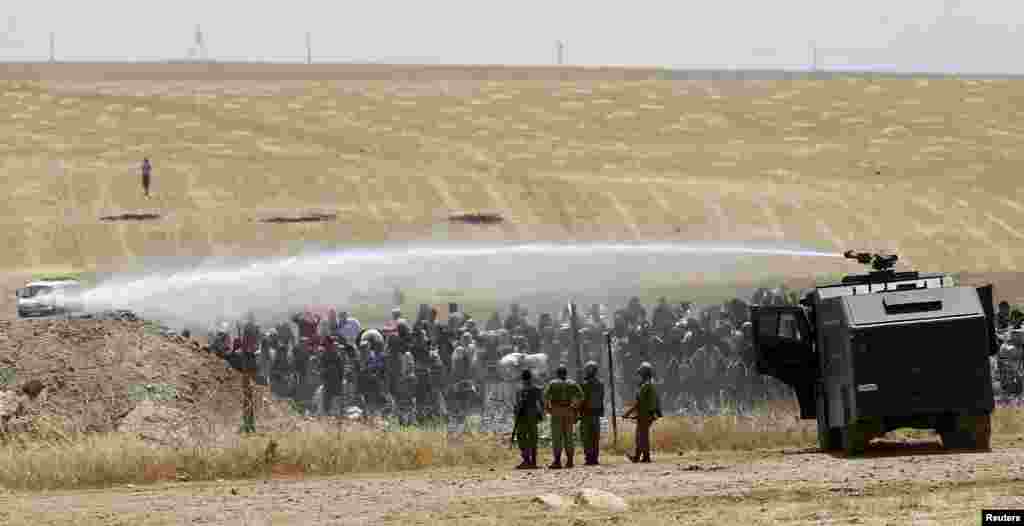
x=829, y=438
x=968, y=432
x=854, y=439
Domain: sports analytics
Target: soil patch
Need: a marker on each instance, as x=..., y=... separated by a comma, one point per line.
x=477, y=218
x=315, y=217
x=95, y=372
x=132, y=216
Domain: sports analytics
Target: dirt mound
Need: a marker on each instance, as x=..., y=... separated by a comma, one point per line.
x=312, y=217
x=147, y=216
x=95, y=372
x=157, y=423
x=477, y=218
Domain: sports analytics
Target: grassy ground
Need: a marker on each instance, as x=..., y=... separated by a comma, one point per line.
x=50, y=459
x=925, y=166
x=924, y=502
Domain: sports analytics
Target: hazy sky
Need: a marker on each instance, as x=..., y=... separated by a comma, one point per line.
x=947, y=35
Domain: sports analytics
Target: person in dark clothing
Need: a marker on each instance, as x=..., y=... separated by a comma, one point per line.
x=147, y=170
x=591, y=411
x=529, y=411
x=1003, y=316
x=330, y=373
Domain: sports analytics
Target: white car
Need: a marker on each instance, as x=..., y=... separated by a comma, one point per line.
x=44, y=298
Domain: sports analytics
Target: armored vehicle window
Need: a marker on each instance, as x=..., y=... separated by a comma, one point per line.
x=788, y=327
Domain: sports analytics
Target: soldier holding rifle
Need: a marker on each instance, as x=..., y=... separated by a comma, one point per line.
x=646, y=410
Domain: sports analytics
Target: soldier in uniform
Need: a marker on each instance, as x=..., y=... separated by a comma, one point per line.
x=591, y=411
x=529, y=411
x=562, y=398
x=646, y=410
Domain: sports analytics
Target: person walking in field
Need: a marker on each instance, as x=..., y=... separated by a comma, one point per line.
x=147, y=170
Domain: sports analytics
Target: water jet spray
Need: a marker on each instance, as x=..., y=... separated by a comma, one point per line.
x=273, y=288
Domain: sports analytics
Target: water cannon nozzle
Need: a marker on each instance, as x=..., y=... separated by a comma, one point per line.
x=878, y=262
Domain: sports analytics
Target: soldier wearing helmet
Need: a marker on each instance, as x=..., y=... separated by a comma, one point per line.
x=645, y=410
x=591, y=411
x=529, y=411
x=562, y=399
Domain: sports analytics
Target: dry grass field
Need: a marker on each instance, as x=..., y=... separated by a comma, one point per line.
x=923, y=166
x=757, y=469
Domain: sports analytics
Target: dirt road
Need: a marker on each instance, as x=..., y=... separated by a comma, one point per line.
x=759, y=477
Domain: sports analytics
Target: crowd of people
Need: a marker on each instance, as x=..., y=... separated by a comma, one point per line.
x=429, y=368
x=1008, y=367
x=426, y=369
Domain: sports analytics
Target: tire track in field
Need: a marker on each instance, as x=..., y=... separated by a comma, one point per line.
x=107, y=203
x=1004, y=254
x=659, y=199
x=517, y=225
x=628, y=219
x=724, y=225
x=774, y=224
x=440, y=187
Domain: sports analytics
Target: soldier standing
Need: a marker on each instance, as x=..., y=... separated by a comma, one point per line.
x=529, y=411
x=562, y=397
x=591, y=411
x=646, y=410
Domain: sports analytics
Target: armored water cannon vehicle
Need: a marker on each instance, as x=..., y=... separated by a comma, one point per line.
x=885, y=350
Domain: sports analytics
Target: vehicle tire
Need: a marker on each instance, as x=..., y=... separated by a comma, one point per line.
x=854, y=439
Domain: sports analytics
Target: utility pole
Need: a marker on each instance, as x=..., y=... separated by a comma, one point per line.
x=52, y=48
x=309, y=49
x=200, y=45
x=577, y=351
x=560, y=52
x=814, y=56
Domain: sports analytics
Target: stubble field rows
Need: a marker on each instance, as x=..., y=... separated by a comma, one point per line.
x=926, y=167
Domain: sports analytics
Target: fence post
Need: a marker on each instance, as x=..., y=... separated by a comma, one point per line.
x=611, y=383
